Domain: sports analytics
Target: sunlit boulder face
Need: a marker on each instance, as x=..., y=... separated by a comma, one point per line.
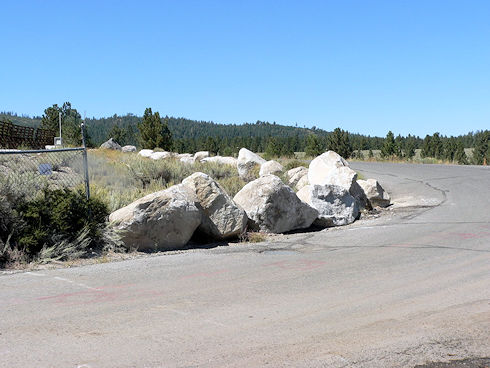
x=330, y=168
x=163, y=220
x=376, y=195
x=335, y=205
x=222, y=218
x=248, y=164
x=271, y=167
x=273, y=207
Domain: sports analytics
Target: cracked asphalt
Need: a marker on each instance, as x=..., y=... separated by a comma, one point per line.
x=407, y=287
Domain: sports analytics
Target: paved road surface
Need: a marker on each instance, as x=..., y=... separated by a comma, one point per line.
x=407, y=288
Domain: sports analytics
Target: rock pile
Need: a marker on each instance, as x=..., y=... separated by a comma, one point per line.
x=329, y=194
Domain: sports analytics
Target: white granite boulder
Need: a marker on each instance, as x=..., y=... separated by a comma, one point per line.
x=331, y=168
x=271, y=167
x=145, y=152
x=111, y=144
x=128, y=148
x=302, y=182
x=163, y=220
x=222, y=218
x=335, y=205
x=198, y=156
x=376, y=195
x=295, y=174
x=161, y=155
x=248, y=164
x=273, y=207
x=221, y=160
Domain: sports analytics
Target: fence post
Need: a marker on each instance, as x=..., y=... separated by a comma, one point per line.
x=85, y=162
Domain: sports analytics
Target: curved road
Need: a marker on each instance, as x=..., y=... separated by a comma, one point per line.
x=407, y=287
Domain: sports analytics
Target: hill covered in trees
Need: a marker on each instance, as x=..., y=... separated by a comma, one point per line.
x=186, y=135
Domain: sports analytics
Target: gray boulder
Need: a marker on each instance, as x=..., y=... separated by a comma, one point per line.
x=163, y=220
x=271, y=167
x=334, y=204
x=248, y=164
x=111, y=144
x=273, y=207
x=222, y=218
x=375, y=193
x=128, y=149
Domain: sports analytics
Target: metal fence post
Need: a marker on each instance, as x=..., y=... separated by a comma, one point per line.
x=85, y=162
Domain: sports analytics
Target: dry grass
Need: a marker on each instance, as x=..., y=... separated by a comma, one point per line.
x=120, y=178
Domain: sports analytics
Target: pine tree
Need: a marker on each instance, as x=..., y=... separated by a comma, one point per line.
x=389, y=146
x=410, y=144
x=460, y=155
x=339, y=141
x=481, y=151
x=313, y=146
x=153, y=132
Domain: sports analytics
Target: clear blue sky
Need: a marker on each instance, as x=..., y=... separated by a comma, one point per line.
x=367, y=66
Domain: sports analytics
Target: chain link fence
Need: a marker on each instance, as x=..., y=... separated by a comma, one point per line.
x=26, y=173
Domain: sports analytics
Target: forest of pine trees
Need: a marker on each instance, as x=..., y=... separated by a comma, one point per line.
x=185, y=135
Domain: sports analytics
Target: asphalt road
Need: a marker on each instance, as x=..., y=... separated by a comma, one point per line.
x=409, y=287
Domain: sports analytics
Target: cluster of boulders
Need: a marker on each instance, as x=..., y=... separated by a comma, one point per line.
x=188, y=158
x=328, y=194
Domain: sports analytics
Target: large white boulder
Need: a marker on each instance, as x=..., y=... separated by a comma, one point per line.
x=273, y=207
x=164, y=220
x=198, y=156
x=221, y=160
x=271, y=167
x=129, y=148
x=335, y=205
x=327, y=167
x=331, y=168
x=248, y=164
x=145, y=152
x=376, y=195
x=295, y=174
x=222, y=218
x=160, y=155
x=111, y=144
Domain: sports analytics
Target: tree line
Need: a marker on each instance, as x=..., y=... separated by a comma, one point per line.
x=185, y=135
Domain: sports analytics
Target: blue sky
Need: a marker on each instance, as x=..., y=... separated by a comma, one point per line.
x=367, y=66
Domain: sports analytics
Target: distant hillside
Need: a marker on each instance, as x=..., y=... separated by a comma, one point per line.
x=21, y=120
